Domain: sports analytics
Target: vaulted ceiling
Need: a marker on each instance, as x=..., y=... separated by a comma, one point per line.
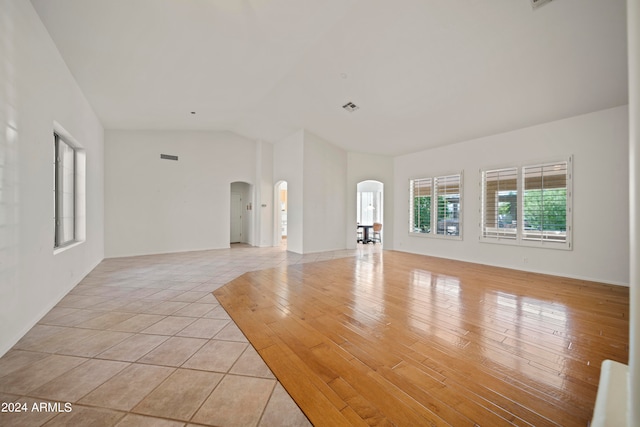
x=423, y=73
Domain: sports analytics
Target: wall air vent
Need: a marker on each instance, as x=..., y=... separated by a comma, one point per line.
x=350, y=107
x=537, y=3
x=168, y=157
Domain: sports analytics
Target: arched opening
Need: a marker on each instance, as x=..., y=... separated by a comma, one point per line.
x=370, y=212
x=241, y=209
x=280, y=214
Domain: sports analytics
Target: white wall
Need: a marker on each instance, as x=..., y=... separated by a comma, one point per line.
x=362, y=167
x=36, y=89
x=599, y=145
x=288, y=166
x=264, y=193
x=316, y=175
x=633, y=26
x=325, y=195
x=159, y=206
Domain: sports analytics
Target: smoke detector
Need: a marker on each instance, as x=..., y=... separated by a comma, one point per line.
x=537, y=3
x=350, y=107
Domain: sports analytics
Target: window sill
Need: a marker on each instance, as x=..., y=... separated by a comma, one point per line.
x=61, y=249
x=436, y=236
x=545, y=244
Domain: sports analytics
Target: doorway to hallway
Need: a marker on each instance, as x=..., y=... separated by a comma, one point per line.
x=281, y=207
x=240, y=213
x=236, y=218
x=369, y=211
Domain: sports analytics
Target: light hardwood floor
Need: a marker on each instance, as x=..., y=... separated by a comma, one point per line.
x=399, y=339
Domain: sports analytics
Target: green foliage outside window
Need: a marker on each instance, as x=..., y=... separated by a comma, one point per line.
x=422, y=214
x=444, y=209
x=546, y=210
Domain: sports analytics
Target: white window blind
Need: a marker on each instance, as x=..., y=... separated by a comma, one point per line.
x=448, y=206
x=500, y=203
x=420, y=205
x=545, y=202
x=528, y=205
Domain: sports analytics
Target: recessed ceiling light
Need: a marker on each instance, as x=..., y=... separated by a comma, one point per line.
x=350, y=107
x=343, y=75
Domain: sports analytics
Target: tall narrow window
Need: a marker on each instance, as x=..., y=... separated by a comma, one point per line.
x=448, y=210
x=64, y=192
x=545, y=202
x=500, y=203
x=420, y=213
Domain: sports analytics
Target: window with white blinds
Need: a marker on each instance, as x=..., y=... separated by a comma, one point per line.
x=435, y=206
x=528, y=205
x=448, y=210
x=420, y=212
x=545, y=202
x=500, y=203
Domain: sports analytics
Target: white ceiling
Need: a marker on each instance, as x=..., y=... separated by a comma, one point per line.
x=423, y=72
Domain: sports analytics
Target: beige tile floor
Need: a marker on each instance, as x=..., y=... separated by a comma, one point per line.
x=141, y=341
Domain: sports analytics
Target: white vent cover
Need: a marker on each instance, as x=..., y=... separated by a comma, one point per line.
x=537, y=3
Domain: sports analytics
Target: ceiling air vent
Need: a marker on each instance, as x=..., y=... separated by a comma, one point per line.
x=537, y=3
x=168, y=157
x=350, y=107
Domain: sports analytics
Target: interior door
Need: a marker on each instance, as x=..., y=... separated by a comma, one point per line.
x=236, y=218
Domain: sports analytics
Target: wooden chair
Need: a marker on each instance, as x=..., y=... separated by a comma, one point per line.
x=377, y=227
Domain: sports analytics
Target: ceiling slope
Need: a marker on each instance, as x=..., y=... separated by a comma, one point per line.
x=424, y=73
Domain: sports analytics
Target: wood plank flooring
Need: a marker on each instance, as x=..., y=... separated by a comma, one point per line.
x=398, y=339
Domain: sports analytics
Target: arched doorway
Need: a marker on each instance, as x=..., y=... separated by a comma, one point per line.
x=369, y=210
x=280, y=214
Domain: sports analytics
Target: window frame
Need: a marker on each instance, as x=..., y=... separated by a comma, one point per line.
x=434, y=195
x=423, y=184
x=496, y=233
x=75, y=209
x=520, y=238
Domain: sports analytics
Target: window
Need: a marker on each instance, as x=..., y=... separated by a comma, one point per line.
x=369, y=207
x=421, y=206
x=545, y=202
x=435, y=206
x=448, y=193
x=500, y=200
x=542, y=193
x=68, y=192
